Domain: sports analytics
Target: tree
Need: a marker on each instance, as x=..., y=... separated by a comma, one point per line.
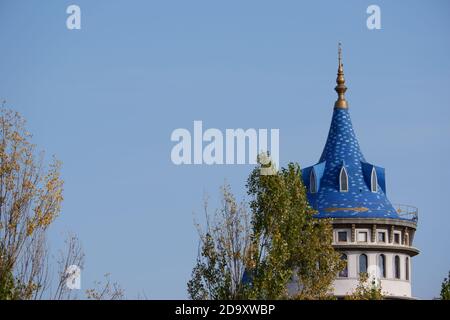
x=31, y=194
x=367, y=289
x=445, y=288
x=290, y=245
x=30, y=200
x=283, y=245
x=225, y=246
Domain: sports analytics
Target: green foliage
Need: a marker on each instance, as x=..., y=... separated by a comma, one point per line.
x=220, y=265
x=284, y=244
x=211, y=279
x=10, y=288
x=366, y=290
x=290, y=244
x=7, y=287
x=445, y=288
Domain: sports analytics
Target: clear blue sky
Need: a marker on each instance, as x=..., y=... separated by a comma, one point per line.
x=106, y=98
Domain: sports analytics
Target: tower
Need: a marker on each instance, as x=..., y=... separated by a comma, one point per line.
x=372, y=235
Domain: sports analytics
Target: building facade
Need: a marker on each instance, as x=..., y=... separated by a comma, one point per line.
x=372, y=235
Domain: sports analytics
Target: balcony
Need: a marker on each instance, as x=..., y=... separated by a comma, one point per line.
x=407, y=212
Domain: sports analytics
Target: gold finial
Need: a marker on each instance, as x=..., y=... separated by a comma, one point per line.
x=340, y=88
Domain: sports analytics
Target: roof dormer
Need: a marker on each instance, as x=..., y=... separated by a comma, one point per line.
x=312, y=177
x=343, y=179
x=373, y=177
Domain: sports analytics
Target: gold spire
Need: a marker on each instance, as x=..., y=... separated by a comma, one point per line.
x=340, y=88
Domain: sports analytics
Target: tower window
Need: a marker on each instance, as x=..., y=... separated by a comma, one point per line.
x=362, y=236
x=382, y=236
x=397, y=236
x=374, y=181
x=342, y=236
x=397, y=267
x=312, y=182
x=344, y=272
x=382, y=265
x=407, y=268
x=363, y=263
x=343, y=180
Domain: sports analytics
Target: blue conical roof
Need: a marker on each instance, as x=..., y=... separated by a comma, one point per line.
x=342, y=151
x=363, y=193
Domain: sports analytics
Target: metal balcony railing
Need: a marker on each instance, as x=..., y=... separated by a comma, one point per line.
x=407, y=212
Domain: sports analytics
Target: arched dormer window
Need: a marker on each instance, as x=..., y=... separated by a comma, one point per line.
x=374, y=181
x=343, y=180
x=312, y=182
